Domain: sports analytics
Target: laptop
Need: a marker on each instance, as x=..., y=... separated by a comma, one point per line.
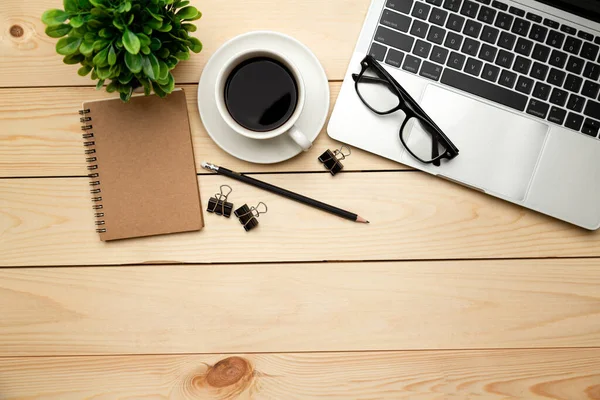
x=513, y=84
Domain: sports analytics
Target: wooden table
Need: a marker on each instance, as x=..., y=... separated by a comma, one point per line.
x=447, y=294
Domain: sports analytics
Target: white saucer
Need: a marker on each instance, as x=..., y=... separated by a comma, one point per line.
x=316, y=106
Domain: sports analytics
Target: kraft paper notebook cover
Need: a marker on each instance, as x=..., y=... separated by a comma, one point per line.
x=141, y=166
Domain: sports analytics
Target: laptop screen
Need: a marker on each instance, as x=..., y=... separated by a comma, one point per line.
x=589, y=9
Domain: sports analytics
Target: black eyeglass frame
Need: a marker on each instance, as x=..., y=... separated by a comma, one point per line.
x=410, y=108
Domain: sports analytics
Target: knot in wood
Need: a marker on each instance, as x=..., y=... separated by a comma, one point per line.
x=228, y=371
x=16, y=31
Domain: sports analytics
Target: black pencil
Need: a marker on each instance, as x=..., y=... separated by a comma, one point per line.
x=285, y=193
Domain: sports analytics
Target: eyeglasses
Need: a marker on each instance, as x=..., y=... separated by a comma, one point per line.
x=383, y=95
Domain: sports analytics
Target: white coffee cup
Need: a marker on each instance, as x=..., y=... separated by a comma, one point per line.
x=289, y=126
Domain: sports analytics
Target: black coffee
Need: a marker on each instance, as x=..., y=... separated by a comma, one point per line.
x=261, y=94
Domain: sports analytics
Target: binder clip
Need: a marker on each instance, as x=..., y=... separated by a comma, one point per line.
x=219, y=204
x=247, y=215
x=331, y=159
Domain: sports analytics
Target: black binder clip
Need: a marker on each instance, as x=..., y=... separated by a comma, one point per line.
x=331, y=159
x=219, y=204
x=247, y=215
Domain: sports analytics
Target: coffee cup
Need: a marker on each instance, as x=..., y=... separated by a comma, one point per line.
x=260, y=94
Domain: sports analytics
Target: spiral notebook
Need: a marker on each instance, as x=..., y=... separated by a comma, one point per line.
x=141, y=166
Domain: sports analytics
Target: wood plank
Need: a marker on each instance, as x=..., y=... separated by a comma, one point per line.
x=25, y=49
x=299, y=307
x=571, y=374
x=40, y=136
x=48, y=221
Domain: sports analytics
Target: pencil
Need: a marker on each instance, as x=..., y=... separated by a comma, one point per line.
x=285, y=193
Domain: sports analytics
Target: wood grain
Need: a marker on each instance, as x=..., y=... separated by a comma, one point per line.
x=47, y=221
x=330, y=29
x=40, y=136
x=567, y=374
x=299, y=307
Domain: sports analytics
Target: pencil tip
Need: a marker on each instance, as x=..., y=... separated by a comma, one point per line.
x=362, y=220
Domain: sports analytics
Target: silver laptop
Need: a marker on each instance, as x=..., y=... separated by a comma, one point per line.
x=513, y=84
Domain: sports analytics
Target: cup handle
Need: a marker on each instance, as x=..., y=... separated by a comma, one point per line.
x=300, y=138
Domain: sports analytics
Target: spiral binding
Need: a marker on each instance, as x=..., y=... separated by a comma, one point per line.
x=86, y=127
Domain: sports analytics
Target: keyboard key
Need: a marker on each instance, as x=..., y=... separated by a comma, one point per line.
x=436, y=35
x=394, y=39
x=523, y=46
x=473, y=66
x=489, y=34
x=507, y=40
x=568, y=29
x=488, y=53
x=486, y=15
x=590, y=127
x=575, y=103
x=483, y=89
x=422, y=49
x=453, y=41
x=592, y=109
x=394, y=58
x=452, y=5
x=517, y=11
x=538, y=108
x=394, y=20
x=431, y=71
x=592, y=71
x=456, y=60
x=585, y=36
x=505, y=59
x=540, y=52
x=435, y=2
x=504, y=21
x=470, y=47
x=455, y=22
x=539, y=71
x=589, y=51
x=486, y=2
x=557, y=115
x=575, y=65
x=538, y=33
x=555, y=39
x=403, y=6
x=377, y=51
x=573, y=83
x=469, y=9
x=439, y=55
x=421, y=10
x=524, y=85
x=558, y=97
x=590, y=89
x=522, y=65
x=499, y=5
x=574, y=121
x=556, y=77
x=438, y=16
x=507, y=79
x=558, y=59
x=551, y=23
x=472, y=28
x=490, y=72
x=411, y=64
x=541, y=91
x=521, y=27
x=572, y=45
x=534, y=17
x=419, y=29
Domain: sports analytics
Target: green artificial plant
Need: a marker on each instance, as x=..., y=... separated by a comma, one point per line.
x=130, y=43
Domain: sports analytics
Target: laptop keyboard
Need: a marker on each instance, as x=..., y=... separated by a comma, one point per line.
x=503, y=54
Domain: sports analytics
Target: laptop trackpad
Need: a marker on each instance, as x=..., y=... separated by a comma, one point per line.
x=498, y=149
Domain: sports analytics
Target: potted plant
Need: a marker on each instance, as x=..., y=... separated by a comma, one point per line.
x=125, y=43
